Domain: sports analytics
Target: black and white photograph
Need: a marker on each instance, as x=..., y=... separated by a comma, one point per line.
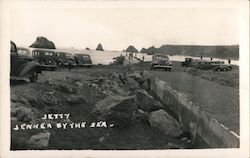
x=126, y=76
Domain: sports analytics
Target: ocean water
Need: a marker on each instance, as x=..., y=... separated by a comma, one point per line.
x=106, y=57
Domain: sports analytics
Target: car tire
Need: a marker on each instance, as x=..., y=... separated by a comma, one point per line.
x=49, y=61
x=34, y=77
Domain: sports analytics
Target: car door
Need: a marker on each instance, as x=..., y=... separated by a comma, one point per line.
x=16, y=61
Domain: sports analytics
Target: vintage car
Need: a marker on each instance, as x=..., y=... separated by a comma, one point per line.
x=47, y=58
x=23, y=66
x=212, y=65
x=65, y=59
x=161, y=61
x=83, y=60
x=187, y=63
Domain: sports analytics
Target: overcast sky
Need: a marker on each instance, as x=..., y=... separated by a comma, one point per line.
x=117, y=28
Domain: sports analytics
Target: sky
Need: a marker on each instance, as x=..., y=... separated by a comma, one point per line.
x=117, y=28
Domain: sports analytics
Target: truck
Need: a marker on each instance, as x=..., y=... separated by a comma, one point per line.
x=161, y=61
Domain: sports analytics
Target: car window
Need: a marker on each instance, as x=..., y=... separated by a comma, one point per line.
x=49, y=53
x=13, y=48
x=86, y=56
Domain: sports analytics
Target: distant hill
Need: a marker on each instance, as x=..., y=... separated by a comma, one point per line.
x=43, y=42
x=131, y=49
x=231, y=51
x=151, y=50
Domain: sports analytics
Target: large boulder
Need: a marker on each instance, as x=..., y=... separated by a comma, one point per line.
x=99, y=47
x=42, y=42
x=75, y=100
x=165, y=123
x=131, y=49
x=146, y=102
x=40, y=140
x=21, y=113
x=117, y=109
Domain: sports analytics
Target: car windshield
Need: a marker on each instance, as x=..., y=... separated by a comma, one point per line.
x=161, y=56
x=22, y=52
x=60, y=54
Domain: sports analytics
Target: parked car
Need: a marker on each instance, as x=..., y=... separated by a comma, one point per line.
x=212, y=65
x=83, y=60
x=23, y=66
x=187, y=63
x=65, y=59
x=47, y=58
x=161, y=61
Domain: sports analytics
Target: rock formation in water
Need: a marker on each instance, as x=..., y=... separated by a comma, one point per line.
x=99, y=47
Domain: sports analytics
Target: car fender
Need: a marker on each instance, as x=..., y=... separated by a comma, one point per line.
x=29, y=67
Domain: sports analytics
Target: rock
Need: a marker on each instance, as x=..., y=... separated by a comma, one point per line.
x=147, y=102
x=136, y=76
x=165, y=123
x=102, y=139
x=132, y=84
x=116, y=89
x=184, y=138
x=49, y=100
x=142, y=116
x=174, y=146
x=65, y=87
x=40, y=140
x=145, y=85
x=131, y=49
x=99, y=47
x=96, y=89
x=23, y=101
x=118, y=110
x=14, y=98
x=74, y=100
x=42, y=42
x=23, y=114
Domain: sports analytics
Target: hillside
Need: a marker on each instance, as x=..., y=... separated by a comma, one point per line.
x=231, y=51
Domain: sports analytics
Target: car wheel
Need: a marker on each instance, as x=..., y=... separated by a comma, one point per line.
x=34, y=77
x=49, y=61
x=218, y=69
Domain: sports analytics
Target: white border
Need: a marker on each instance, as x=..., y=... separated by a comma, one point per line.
x=243, y=151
